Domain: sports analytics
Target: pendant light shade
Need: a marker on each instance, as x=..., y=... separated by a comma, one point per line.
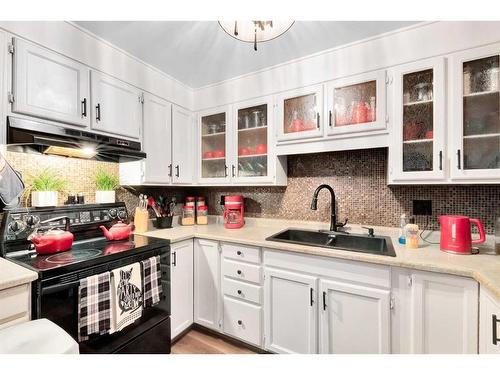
x=255, y=31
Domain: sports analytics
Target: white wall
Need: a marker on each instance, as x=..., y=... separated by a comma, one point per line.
x=413, y=43
x=80, y=45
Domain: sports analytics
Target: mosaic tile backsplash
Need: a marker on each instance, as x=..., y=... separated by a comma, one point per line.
x=358, y=177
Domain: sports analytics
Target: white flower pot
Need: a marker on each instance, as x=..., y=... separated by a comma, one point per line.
x=44, y=198
x=105, y=196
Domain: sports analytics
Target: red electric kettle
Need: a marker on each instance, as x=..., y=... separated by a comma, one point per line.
x=456, y=234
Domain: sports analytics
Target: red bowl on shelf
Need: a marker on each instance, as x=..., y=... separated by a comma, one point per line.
x=219, y=153
x=429, y=134
x=261, y=148
x=244, y=151
x=208, y=155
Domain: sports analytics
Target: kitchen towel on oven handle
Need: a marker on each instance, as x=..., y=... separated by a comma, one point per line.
x=126, y=296
x=11, y=185
x=151, y=281
x=94, y=306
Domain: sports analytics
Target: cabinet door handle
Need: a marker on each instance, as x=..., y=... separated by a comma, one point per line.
x=494, y=323
x=98, y=112
x=233, y=169
x=170, y=170
x=317, y=120
x=440, y=160
x=324, y=301
x=459, y=160
x=84, y=107
x=330, y=118
x=240, y=322
x=238, y=252
x=239, y=292
x=177, y=171
x=174, y=259
x=238, y=272
x=311, y=291
x=225, y=170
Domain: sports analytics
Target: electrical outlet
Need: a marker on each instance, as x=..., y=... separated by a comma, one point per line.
x=422, y=207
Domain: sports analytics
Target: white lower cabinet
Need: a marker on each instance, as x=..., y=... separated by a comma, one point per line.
x=207, y=291
x=290, y=312
x=434, y=313
x=489, y=323
x=354, y=319
x=15, y=305
x=181, y=292
x=242, y=320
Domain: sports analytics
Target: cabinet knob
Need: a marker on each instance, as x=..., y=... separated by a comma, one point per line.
x=238, y=252
x=240, y=322
x=239, y=292
x=238, y=272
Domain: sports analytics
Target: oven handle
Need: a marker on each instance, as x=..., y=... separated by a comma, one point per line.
x=58, y=287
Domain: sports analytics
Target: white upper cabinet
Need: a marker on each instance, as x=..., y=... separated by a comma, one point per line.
x=299, y=114
x=252, y=146
x=354, y=319
x=417, y=148
x=290, y=310
x=214, y=137
x=50, y=86
x=357, y=104
x=157, y=140
x=116, y=106
x=182, y=168
x=475, y=114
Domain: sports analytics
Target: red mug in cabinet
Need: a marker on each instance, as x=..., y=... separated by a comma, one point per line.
x=297, y=125
x=261, y=148
x=219, y=153
x=429, y=134
x=360, y=113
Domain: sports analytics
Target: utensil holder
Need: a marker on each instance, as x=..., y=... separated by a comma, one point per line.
x=163, y=222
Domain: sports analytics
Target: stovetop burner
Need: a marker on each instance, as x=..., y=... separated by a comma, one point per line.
x=73, y=256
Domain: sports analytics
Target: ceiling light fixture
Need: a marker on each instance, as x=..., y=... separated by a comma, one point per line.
x=255, y=31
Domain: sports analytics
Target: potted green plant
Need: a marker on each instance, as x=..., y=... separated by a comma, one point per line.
x=44, y=188
x=106, y=183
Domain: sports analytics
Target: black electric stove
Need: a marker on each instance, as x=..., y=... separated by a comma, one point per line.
x=54, y=294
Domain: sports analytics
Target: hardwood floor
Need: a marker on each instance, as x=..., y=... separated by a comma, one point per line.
x=197, y=342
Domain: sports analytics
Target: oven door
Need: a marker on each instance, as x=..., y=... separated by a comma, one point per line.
x=57, y=300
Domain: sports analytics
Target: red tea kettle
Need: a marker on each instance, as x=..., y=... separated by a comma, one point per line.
x=54, y=240
x=119, y=231
x=456, y=234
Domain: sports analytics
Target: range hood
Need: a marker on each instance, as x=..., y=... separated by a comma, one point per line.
x=32, y=136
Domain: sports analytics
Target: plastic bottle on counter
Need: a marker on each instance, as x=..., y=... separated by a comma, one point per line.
x=411, y=234
x=402, y=234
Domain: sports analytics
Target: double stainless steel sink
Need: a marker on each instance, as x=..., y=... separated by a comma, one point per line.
x=379, y=245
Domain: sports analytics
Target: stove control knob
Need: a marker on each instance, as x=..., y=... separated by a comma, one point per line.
x=112, y=213
x=122, y=214
x=16, y=226
x=31, y=220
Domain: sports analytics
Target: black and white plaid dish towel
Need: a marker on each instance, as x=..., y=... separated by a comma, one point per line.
x=151, y=281
x=94, y=306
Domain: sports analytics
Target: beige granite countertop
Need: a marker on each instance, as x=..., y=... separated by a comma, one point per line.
x=483, y=267
x=12, y=274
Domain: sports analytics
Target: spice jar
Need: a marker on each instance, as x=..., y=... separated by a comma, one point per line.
x=187, y=215
x=202, y=215
x=190, y=202
x=411, y=236
x=200, y=201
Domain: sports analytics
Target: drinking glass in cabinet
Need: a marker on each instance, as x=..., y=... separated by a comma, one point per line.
x=252, y=141
x=418, y=121
x=300, y=114
x=481, y=117
x=355, y=104
x=213, y=146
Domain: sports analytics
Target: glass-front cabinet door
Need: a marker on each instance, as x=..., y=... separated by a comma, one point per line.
x=214, y=133
x=299, y=112
x=476, y=114
x=357, y=104
x=418, y=124
x=253, y=140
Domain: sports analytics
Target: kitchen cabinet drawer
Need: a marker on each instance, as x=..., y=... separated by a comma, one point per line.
x=245, y=291
x=242, y=321
x=241, y=271
x=239, y=252
x=14, y=303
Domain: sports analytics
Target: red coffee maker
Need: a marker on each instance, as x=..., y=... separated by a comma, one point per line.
x=456, y=234
x=233, y=211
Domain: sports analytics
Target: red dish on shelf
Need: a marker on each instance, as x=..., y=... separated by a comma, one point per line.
x=208, y=155
x=219, y=153
x=261, y=148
